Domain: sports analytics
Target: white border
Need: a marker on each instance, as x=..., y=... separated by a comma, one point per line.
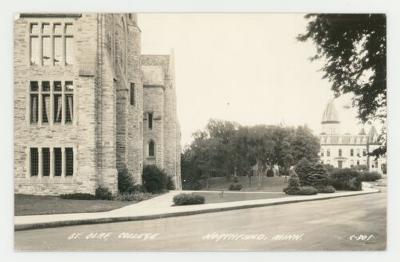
x=10, y=8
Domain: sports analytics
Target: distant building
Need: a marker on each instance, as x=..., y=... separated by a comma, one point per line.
x=87, y=103
x=347, y=150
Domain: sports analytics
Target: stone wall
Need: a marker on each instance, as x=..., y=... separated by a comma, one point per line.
x=107, y=132
x=80, y=134
x=158, y=71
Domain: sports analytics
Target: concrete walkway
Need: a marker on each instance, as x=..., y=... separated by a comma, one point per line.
x=161, y=206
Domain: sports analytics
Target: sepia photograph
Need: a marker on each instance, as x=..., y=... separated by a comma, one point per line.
x=139, y=131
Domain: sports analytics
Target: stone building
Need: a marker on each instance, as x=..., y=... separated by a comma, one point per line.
x=87, y=103
x=347, y=150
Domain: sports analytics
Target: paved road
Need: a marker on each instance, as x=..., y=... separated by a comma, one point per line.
x=350, y=223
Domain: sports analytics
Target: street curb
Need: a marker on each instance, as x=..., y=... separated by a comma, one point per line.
x=172, y=214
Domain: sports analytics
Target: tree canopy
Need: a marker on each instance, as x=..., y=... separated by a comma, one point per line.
x=353, y=47
x=225, y=148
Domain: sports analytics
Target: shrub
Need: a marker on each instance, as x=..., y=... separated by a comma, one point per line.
x=135, y=196
x=270, y=173
x=154, y=179
x=361, y=168
x=311, y=174
x=294, y=184
x=188, y=199
x=303, y=168
x=126, y=183
x=370, y=176
x=235, y=179
x=326, y=189
x=139, y=188
x=170, y=183
x=78, y=196
x=345, y=179
x=103, y=193
x=192, y=184
x=307, y=190
x=235, y=187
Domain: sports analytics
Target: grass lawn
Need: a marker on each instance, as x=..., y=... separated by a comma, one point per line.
x=216, y=197
x=268, y=184
x=41, y=205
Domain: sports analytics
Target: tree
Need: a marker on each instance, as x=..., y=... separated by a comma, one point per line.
x=353, y=47
x=225, y=148
x=304, y=144
x=261, y=149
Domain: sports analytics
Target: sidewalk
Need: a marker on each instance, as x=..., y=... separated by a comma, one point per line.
x=161, y=207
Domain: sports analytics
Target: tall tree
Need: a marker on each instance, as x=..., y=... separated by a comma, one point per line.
x=353, y=47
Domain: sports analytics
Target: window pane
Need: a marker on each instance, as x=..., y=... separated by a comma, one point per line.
x=69, y=159
x=150, y=120
x=45, y=108
x=69, y=106
x=46, y=50
x=57, y=161
x=58, y=50
x=34, y=161
x=68, y=29
x=57, y=86
x=34, y=112
x=57, y=29
x=69, y=86
x=45, y=86
x=57, y=109
x=69, y=50
x=34, y=29
x=35, y=50
x=45, y=161
x=34, y=86
x=46, y=29
x=151, y=148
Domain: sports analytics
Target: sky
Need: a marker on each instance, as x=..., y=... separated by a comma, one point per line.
x=247, y=68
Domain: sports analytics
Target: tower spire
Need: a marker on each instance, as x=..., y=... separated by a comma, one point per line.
x=330, y=120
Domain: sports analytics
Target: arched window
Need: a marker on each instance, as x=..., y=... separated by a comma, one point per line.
x=328, y=152
x=352, y=152
x=340, y=152
x=151, y=148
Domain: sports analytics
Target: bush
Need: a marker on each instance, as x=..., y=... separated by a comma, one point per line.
x=126, y=183
x=311, y=174
x=103, y=193
x=192, y=184
x=188, y=199
x=326, y=189
x=235, y=179
x=370, y=176
x=270, y=173
x=154, y=179
x=361, y=168
x=78, y=196
x=135, y=196
x=170, y=183
x=294, y=184
x=307, y=190
x=345, y=179
x=235, y=187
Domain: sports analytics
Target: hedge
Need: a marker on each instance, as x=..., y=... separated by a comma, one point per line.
x=346, y=179
x=326, y=189
x=154, y=179
x=235, y=187
x=188, y=199
x=370, y=176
